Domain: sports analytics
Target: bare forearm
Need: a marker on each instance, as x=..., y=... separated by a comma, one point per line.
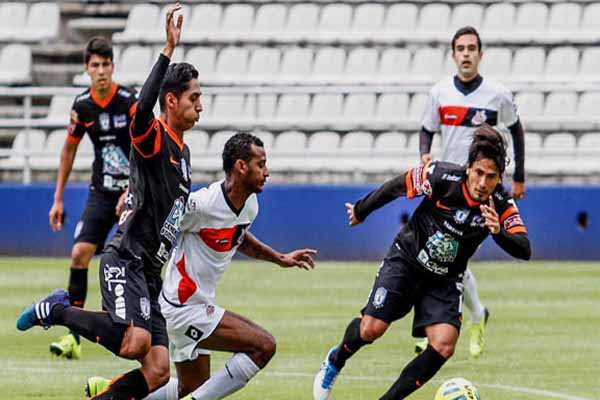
x=67, y=157
x=252, y=247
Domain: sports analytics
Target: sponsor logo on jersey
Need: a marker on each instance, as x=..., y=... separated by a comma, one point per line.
x=451, y=177
x=114, y=160
x=104, y=119
x=379, y=297
x=477, y=222
x=453, y=229
x=442, y=247
x=114, y=276
x=124, y=93
x=120, y=121
x=82, y=97
x=193, y=333
x=460, y=216
x=170, y=227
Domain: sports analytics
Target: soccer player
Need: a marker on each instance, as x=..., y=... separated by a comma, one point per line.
x=424, y=266
x=216, y=224
x=456, y=107
x=104, y=111
x=132, y=326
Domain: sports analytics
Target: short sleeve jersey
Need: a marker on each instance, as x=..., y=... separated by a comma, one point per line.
x=457, y=115
x=107, y=125
x=447, y=227
x=212, y=229
x=159, y=186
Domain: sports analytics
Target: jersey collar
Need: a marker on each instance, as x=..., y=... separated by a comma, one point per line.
x=108, y=99
x=229, y=203
x=467, y=88
x=172, y=134
x=467, y=196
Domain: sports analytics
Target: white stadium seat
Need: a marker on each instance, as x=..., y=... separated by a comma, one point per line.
x=392, y=111
x=354, y=153
x=15, y=65
x=322, y=148
x=25, y=141
x=227, y=109
x=417, y=107
x=361, y=66
x=50, y=159
x=358, y=111
x=367, y=22
x=389, y=150
x=292, y=111
x=134, y=66
x=496, y=63
x=269, y=23
x=499, y=18
x=290, y=142
x=296, y=65
x=141, y=21
x=328, y=65
x=394, y=65
x=466, y=15
x=302, y=22
x=12, y=20
x=205, y=60
x=531, y=107
x=43, y=23
x=433, y=22
x=563, y=23
x=159, y=35
x=531, y=19
x=558, y=151
x=562, y=64
x=325, y=110
x=588, y=68
x=528, y=64
x=263, y=65
x=204, y=23
x=197, y=141
x=400, y=22
x=232, y=64
x=559, y=112
x=59, y=112
x=589, y=30
x=237, y=22
x=334, y=23
x=427, y=65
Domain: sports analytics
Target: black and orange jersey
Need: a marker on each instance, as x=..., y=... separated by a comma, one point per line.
x=447, y=227
x=107, y=124
x=159, y=182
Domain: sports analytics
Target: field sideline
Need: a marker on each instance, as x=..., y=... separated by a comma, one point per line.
x=542, y=342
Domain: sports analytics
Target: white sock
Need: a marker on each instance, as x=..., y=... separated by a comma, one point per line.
x=472, y=301
x=238, y=370
x=168, y=392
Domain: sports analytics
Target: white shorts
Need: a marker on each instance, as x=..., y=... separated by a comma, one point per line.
x=188, y=325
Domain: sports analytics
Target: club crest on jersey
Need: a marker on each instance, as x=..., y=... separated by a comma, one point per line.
x=478, y=222
x=120, y=121
x=104, y=119
x=460, y=216
x=171, y=226
x=145, y=308
x=379, y=298
x=479, y=118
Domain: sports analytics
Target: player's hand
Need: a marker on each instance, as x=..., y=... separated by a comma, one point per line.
x=426, y=158
x=173, y=29
x=299, y=258
x=121, y=203
x=491, y=216
x=56, y=215
x=517, y=190
x=352, y=220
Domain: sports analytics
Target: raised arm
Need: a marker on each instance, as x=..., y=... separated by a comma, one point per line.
x=252, y=247
x=508, y=230
x=387, y=192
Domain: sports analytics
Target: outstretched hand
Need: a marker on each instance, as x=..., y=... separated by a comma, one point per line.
x=491, y=216
x=352, y=220
x=299, y=258
x=173, y=29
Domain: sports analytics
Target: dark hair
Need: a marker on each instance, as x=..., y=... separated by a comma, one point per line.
x=98, y=45
x=466, y=30
x=488, y=143
x=176, y=81
x=239, y=147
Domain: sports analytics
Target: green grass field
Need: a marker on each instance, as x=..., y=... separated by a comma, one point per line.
x=543, y=340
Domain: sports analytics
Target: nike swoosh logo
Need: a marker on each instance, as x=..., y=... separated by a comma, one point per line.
x=173, y=161
x=439, y=204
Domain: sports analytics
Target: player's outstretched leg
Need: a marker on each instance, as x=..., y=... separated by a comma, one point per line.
x=479, y=313
x=477, y=343
x=40, y=313
x=336, y=357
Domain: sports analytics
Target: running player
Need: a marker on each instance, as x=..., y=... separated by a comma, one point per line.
x=215, y=226
x=132, y=326
x=456, y=107
x=424, y=266
x=104, y=112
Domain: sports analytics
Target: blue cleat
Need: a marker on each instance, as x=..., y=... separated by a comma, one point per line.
x=325, y=378
x=40, y=313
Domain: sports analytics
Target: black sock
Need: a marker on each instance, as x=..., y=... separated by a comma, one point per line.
x=96, y=327
x=131, y=386
x=421, y=369
x=78, y=281
x=351, y=343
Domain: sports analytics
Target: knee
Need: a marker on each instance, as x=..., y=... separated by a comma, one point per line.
x=266, y=348
x=445, y=349
x=80, y=257
x=136, y=344
x=373, y=330
x=159, y=373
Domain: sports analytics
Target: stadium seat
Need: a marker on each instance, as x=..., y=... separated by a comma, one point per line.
x=335, y=22
x=12, y=20
x=33, y=143
x=265, y=106
x=211, y=161
x=204, y=59
x=15, y=65
x=499, y=18
x=562, y=64
x=141, y=21
x=158, y=35
x=358, y=111
x=394, y=66
x=289, y=142
x=328, y=65
x=237, y=22
x=496, y=63
x=588, y=153
x=325, y=111
x=59, y=111
x=528, y=64
x=197, y=141
x=134, y=66
x=178, y=54
x=292, y=111
x=531, y=19
x=322, y=148
x=43, y=23
x=367, y=22
x=465, y=15
x=361, y=66
x=302, y=22
x=426, y=65
x=232, y=64
x=587, y=116
x=296, y=65
x=354, y=153
x=589, y=30
x=531, y=106
x=263, y=65
x=433, y=23
x=400, y=22
x=226, y=110
x=391, y=112
x=203, y=25
x=49, y=159
x=559, y=112
x=415, y=110
x=563, y=23
x=559, y=153
x=389, y=149
x=269, y=24
x=588, y=68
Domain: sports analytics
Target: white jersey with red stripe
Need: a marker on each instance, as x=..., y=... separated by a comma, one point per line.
x=211, y=231
x=457, y=115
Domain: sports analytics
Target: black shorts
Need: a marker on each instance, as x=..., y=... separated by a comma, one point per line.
x=129, y=295
x=98, y=218
x=399, y=287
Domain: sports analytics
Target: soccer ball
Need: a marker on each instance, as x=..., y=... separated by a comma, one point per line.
x=457, y=389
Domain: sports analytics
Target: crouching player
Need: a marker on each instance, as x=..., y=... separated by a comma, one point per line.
x=424, y=266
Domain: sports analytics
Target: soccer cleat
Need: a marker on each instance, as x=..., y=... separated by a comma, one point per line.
x=421, y=345
x=477, y=335
x=325, y=378
x=95, y=385
x=67, y=347
x=40, y=313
